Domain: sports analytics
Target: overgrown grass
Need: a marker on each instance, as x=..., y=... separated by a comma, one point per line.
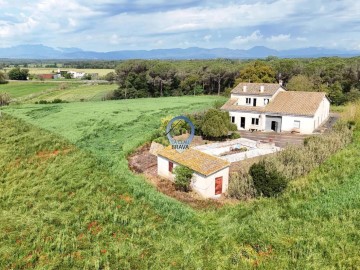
x=61, y=211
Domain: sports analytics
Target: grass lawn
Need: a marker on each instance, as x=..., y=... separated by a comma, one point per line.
x=69, y=201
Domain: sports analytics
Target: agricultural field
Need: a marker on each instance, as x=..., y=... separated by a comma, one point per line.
x=30, y=92
x=69, y=200
x=18, y=89
x=101, y=72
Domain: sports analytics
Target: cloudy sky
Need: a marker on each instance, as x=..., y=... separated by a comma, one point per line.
x=151, y=24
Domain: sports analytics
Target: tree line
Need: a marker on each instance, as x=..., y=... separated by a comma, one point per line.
x=339, y=77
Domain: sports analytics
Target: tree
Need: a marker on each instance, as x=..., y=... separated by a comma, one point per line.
x=183, y=177
x=267, y=181
x=18, y=74
x=161, y=74
x=300, y=83
x=3, y=78
x=68, y=75
x=110, y=77
x=216, y=124
x=258, y=72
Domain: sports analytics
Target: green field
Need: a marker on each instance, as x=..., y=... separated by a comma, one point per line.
x=20, y=89
x=30, y=92
x=69, y=201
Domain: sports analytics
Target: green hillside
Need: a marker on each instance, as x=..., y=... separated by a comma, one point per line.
x=69, y=201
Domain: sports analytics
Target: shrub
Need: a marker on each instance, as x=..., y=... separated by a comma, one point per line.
x=241, y=186
x=215, y=124
x=183, y=177
x=4, y=99
x=43, y=102
x=57, y=100
x=267, y=181
x=234, y=136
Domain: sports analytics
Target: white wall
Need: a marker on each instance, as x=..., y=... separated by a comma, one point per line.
x=242, y=100
x=248, y=116
x=306, y=123
x=163, y=168
x=322, y=112
x=204, y=185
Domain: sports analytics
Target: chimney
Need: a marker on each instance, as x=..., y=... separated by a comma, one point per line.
x=281, y=82
x=244, y=88
x=262, y=89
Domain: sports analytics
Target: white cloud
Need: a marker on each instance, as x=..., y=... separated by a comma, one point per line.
x=279, y=38
x=115, y=39
x=243, y=40
x=207, y=38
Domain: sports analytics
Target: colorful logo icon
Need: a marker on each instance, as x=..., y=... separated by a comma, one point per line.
x=180, y=145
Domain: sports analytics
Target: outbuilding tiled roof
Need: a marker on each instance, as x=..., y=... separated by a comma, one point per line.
x=254, y=89
x=195, y=160
x=285, y=103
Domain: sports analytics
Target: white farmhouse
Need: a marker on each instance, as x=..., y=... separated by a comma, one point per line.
x=211, y=174
x=77, y=75
x=269, y=107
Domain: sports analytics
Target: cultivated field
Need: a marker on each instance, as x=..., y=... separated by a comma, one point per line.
x=68, y=199
x=30, y=92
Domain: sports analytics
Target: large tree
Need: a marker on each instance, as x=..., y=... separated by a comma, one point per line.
x=18, y=74
x=258, y=72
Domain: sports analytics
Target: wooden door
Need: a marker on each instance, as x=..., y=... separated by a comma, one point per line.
x=171, y=166
x=218, y=185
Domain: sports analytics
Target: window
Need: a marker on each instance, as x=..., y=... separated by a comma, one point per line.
x=171, y=166
x=248, y=100
x=232, y=119
x=266, y=101
x=296, y=124
x=255, y=121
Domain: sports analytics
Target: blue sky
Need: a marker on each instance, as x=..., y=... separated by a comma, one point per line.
x=139, y=24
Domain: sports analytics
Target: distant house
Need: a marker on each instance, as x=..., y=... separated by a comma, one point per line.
x=211, y=174
x=269, y=107
x=77, y=75
x=45, y=76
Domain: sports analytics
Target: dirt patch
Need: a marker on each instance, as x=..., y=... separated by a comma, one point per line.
x=142, y=162
x=49, y=154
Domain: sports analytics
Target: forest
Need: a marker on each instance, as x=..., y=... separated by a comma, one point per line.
x=339, y=77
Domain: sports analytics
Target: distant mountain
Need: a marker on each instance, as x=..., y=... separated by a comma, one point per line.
x=40, y=51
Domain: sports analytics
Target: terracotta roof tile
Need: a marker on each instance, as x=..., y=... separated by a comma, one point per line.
x=195, y=160
x=286, y=103
x=254, y=89
x=296, y=103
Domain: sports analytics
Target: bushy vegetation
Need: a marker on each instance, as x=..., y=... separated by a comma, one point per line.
x=3, y=78
x=216, y=124
x=4, y=99
x=56, y=100
x=267, y=180
x=241, y=186
x=271, y=175
x=183, y=177
x=78, y=206
x=18, y=74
